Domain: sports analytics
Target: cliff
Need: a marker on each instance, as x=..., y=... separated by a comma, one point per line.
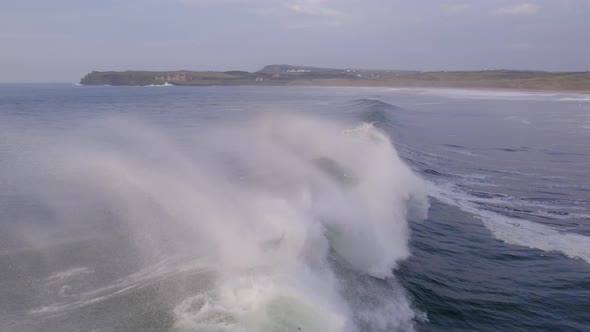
x=174, y=77
x=300, y=75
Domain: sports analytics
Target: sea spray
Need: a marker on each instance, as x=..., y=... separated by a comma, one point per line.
x=286, y=212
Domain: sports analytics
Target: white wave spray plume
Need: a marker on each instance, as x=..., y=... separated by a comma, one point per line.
x=275, y=209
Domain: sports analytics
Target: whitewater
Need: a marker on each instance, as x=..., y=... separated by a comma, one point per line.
x=266, y=207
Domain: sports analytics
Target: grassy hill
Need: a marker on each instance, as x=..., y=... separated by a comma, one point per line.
x=301, y=75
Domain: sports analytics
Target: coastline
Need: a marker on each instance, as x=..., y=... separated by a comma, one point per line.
x=409, y=87
x=286, y=75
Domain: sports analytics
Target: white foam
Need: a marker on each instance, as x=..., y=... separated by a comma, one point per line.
x=294, y=190
x=160, y=85
x=478, y=93
x=582, y=98
x=76, y=300
x=75, y=272
x=256, y=303
x=519, y=231
x=464, y=152
x=533, y=235
x=491, y=94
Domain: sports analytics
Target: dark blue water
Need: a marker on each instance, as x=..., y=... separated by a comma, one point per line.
x=505, y=245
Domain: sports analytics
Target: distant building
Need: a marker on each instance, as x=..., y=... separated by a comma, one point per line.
x=175, y=76
x=259, y=78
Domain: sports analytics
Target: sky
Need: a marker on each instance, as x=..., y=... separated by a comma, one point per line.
x=62, y=40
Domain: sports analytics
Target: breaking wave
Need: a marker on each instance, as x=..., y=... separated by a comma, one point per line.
x=296, y=219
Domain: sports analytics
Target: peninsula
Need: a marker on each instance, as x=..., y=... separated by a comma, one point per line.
x=301, y=75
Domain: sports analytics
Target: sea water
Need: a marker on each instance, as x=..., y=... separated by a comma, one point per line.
x=293, y=209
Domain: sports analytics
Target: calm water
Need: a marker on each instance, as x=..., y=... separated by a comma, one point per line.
x=264, y=209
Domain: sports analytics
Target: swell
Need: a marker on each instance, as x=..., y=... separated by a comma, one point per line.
x=374, y=111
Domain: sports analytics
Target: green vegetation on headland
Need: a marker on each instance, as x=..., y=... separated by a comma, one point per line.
x=298, y=75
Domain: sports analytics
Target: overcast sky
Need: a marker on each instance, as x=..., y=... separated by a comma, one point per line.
x=61, y=40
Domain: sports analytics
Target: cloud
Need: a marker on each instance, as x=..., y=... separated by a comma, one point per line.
x=299, y=7
x=215, y=2
x=293, y=14
x=311, y=8
x=457, y=8
x=520, y=9
x=207, y=3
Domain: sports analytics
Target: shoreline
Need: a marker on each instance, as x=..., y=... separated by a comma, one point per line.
x=408, y=87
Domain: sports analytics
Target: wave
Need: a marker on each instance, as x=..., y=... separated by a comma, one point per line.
x=160, y=85
x=494, y=94
x=581, y=98
x=374, y=111
x=277, y=208
x=374, y=104
x=506, y=216
x=517, y=231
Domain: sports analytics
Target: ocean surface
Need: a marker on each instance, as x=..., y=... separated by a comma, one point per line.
x=293, y=209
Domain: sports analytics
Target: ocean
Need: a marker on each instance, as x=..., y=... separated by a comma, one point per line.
x=293, y=209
